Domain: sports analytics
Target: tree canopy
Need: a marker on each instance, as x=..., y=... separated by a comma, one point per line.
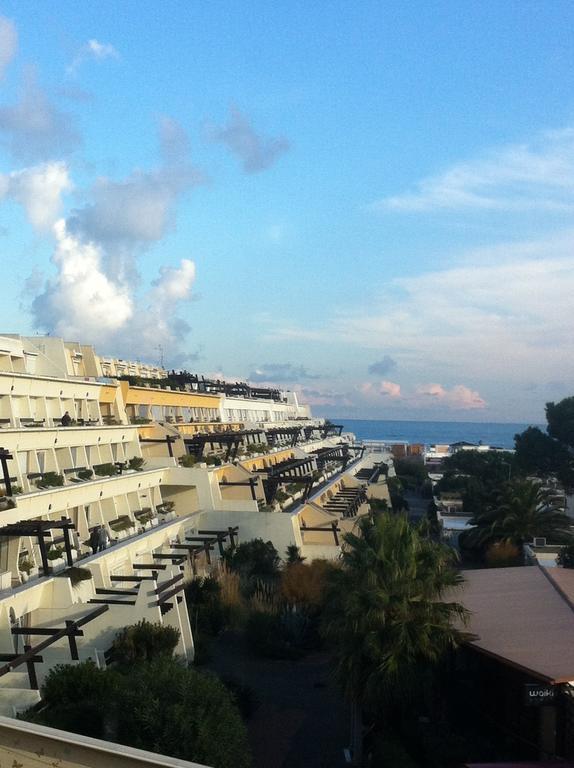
x=161, y=706
x=386, y=612
x=560, y=418
x=538, y=453
x=254, y=558
x=521, y=511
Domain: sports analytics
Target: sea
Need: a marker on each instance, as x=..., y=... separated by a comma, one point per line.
x=500, y=435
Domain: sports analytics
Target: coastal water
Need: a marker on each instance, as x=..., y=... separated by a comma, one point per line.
x=430, y=432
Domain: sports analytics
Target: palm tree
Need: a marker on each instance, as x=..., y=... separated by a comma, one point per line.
x=386, y=614
x=293, y=555
x=521, y=511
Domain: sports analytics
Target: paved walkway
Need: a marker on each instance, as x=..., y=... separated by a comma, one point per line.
x=302, y=721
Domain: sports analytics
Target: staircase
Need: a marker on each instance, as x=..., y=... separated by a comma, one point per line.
x=346, y=502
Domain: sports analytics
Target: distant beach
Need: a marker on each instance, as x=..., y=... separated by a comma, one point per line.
x=431, y=432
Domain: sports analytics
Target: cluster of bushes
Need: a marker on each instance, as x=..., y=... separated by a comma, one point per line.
x=149, y=700
x=277, y=605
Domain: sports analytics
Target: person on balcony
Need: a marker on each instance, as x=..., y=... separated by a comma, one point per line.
x=95, y=539
x=103, y=538
x=66, y=419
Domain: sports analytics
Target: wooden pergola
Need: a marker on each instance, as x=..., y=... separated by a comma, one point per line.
x=339, y=453
x=5, y=457
x=168, y=440
x=333, y=528
x=275, y=433
x=31, y=656
x=231, y=440
x=42, y=530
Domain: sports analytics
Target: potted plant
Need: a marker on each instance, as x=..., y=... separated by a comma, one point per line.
x=136, y=462
x=121, y=526
x=51, y=480
x=25, y=566
x=6, y=502
x=166, y=509
x=56, y=557
x=106, y=470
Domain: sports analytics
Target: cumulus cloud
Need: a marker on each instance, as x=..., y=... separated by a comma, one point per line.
x=256, y=152
x=458, y=397
x=8, y=43
x=155, y=322
x=130, y=214
x=390, y=389
x=39, y=190
x=536, y=175
x=82, y=302
x=93, y=295
x=34, y=128
x=383, y=366
x=93, y=50
x=384, y=388
x=280, y=372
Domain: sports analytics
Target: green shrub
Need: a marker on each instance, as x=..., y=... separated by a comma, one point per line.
x=106, y=470
x=136, y=462
x=160, y=706
x=52, y=479
x=206, y=611
x=25, y=565
x=77, y=574
x=213, y=461
x=243, y=695
x=254, y=558
x=86, y=474
x=566, y=556
x=188, y=460
x=123, y=523
x=144, y=516
x=55, y=553
x=256, y=447
x=144, y=641
x=266, y=636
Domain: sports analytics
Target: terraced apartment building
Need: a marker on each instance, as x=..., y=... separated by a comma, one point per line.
x=121, y=481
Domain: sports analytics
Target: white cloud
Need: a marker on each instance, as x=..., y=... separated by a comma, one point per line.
x=538, y=175
x=94, y=293
x=128, y=215
x=39, y=189
x=82, y=302
x=458, y=397
x=499, y=320
x=95, y=51
x=256, y=152
x=390, y=389
x=35, y=128
x=8, y=43
x=384, y=388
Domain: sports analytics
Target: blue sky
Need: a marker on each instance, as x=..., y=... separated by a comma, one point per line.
x=370, y=203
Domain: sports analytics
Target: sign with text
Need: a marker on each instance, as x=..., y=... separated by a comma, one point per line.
x=537, y=694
